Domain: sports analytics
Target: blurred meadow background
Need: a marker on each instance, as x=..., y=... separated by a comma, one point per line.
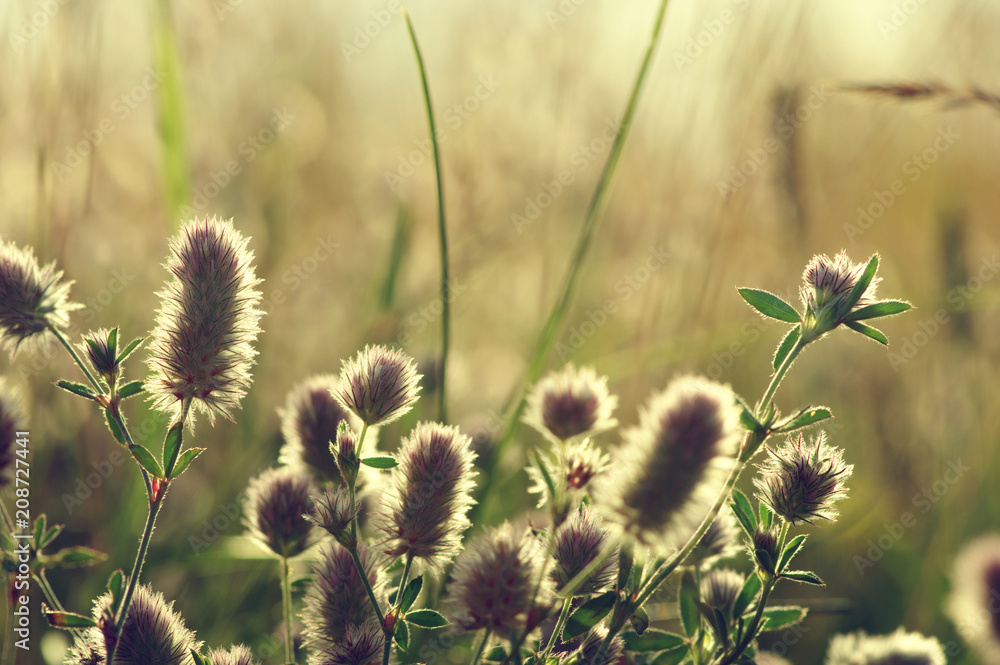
x=305, y=123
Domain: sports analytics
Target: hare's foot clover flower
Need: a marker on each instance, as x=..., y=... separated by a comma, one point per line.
x=720, y=587
x=974, y=604
x=379, y=385
x=802, y=481
x=11, y=420
x=362, y=645
x=577, y=542
x=278, y=504
x=571, y=404
x=338, y=600
x=898, y=648
x=202, y=345
x=235, y=655
x=334, y=510
x=32, y=298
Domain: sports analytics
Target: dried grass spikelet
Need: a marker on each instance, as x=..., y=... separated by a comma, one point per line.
x=577, y=542
x=898, y=648
x=671, y=467
x=949, y=96
x=202, y=345
x=277, y=506
x=379, y=385
x=32, y=297
x=803, y=480
x=337, y=599
x=974, y=602
x=425, y=515
x=11, y=420
x=570, y=404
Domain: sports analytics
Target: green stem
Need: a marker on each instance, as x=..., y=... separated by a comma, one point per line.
x=76, y=358
x=779, y=374
x=286, y=597
x=560, y=623
x=442, y=227
x=403, y=580
x=368, y=586
x=560, y=310
x=482, y=647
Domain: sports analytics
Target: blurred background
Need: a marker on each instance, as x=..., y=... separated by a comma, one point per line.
x=305, y=123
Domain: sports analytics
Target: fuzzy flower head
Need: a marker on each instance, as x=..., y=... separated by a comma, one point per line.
x=586, y=653
x=721, y=541
x=277, y=505
x=674, y=463
x=493, y=581
x=577, y=542
x=826, y=292
x=802, y=481
x=153, y=634
x=570, y=467
x=235, y=655
x=898, y=648
x=570, y=404
x=379, y=385
x=310, y=422
x=426, y=514
x=202, y=345
x=11, y=419
x=974, y=603
x=32, y=298
x=720, y=587
x=362, y=645
x=334, y=513
x=101, y=349
x=337, y=600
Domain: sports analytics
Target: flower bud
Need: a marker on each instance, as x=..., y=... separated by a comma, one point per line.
x=826, y=286
x=577, y=542
x=235, y=655
x=102, y=354
x=898, y=648
x=333, y=512
x=802, y=481
x=570, y=404
x=379, y=385
x=765, y=548
x=347, y=454
x=720, y=587
x=277, y=503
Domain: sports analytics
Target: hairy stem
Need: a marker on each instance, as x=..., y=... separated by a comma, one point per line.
x=368, y=586
x=76, y=358
x=286, y=597
x=560, y=623
x=482, y=647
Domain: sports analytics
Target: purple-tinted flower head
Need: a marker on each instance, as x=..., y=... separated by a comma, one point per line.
x=362, y=645
x=577, y=542
x=277, y=505
x=337, y=599
x=674, y=463
x=720, y=587
x=898, y=648
x=379, y=385
x=825, y=292
x=153, y=634
x=202, y=345
x=571, y=403
x=11, y=420
x=802, y=481
x=721, y=541
x=586, y=653
x=101, y=349
x=974, y=603
x=426, y=513
x=582, y=462
x=333, y=511
x=32, y=298
x=310, y=422
x=765, y=547
x=493, y=581
x=234, y=655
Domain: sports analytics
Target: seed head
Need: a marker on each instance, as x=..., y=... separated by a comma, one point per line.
x=721, y=541
x=825, y=292
x=235, y=655
x=802, y=481
x=277, y=503
x=674, y=463
x=974, y=603
x=898, y=648
x=720, y=588
x=334, y=513
x=310, y=422
x=577, y=542
x=379, y=385
x=362, y=645
x=493, y=581
x=337, y=599
x=426, y=513
x=571, y=403
x=11, y=420
x=32, y=298
x=202, y=345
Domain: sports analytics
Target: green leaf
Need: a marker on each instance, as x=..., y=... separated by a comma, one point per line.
x=50, y=535
x=770, y=305
x=146, y=460
x=412, y=591
x=75, y=557
x=671, y=657
x=749, y=420
x=639, y=621
x=788, y=342
x=77, y=389
x=688, y=607
x=496, y=655
x=791, y=549
x=546, y=476
x=132, y=346
x=380, y=462
x=172, y=446
x=116, y=587
x=69, y=620
x=426, y=618
x=39, y=531
x=113, y=341
x=764, y=560
x=868, y=331
x=588, y=615
x=879, y=309
x=113, y=426
x=748, y=594
x=652, y=640
x=862, y=285
x=129, y=389
x=184, y=461
x=803, y=576
x=803, y=418
x=402, y=635
x=776, y=618
x=744, y=512
x=199, y=659
x=766, y=515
